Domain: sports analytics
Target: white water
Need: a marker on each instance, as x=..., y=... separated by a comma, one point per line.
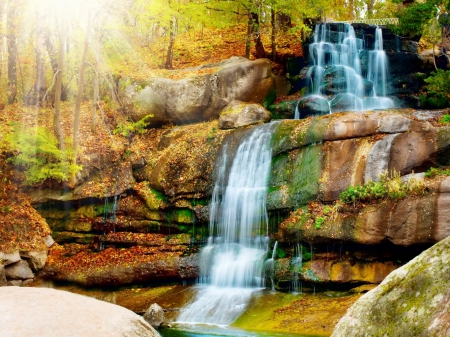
x=338, y=56
x=231, y=266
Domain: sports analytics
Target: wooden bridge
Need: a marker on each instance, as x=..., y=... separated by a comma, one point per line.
x=376, y=22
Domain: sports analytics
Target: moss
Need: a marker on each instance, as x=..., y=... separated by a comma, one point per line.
x=270, y=98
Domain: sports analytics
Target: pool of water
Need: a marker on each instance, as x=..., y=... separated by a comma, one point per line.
x=210, y=331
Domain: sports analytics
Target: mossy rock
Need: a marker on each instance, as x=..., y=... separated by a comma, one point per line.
x=412, y=301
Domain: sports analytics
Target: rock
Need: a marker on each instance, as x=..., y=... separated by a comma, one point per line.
x=9, y=258
x=36, y=260
x=283, y=110
x=76, y=315
x=48, y=240
x=313, y=106
x=2, y=276
x=346, y=102
x=362, y=289
x=154, y=315
x=347, y=271
x=18, y=271
x=412, y=301
x=238, y=114
x=15, y=283
x=27, y=282
x=202, y=97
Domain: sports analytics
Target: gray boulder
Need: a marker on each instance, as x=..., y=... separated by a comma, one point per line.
x=201, y=97
x=414, y=300
x=36, y=260
x=19, y=271
x=49, y=312
x=154, y=315
x=238, y=114
x=9, y=258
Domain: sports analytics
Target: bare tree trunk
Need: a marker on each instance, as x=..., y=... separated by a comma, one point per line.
x=273, y=35
x=169, y=58
x=12, y=54
x=249, y=35
x=76, y=123
x=259, y=52
x=59, y=87
x=38, y=90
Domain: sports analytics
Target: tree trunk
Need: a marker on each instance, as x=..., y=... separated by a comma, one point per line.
x=52, y=54
x=169, y=58
x=273, y=35
x=38, y=90
x=249, y=35
x=76, y=123
x=59, y=86
x=259, y=52
x=12, y=59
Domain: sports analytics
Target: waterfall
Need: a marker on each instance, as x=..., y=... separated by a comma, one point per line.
x=297, y=261
x=231, y=264
x=336, y=75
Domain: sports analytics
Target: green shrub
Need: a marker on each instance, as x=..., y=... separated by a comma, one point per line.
x=388, y=186
x=128, y=128
x=445, y=119
x=319, y=222
x=438, y=89
x=36, y=152
x=435, y=171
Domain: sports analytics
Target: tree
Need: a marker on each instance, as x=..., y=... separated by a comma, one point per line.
x=12, y=53
x=76, y=122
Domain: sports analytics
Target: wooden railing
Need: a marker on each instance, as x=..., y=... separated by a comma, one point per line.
x=376, y=22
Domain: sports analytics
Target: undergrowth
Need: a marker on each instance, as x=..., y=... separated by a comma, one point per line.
x=388, y=186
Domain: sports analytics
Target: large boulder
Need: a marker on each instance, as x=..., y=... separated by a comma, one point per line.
x=48, y=312
x=412, y=301
x=36, y=260
x=238, y=114
x=202, y=97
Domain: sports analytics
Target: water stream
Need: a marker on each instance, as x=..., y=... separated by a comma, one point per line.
x=231, y=265
x=336, y=81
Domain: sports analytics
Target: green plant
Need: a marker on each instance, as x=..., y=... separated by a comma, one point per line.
x=414, y=18
x=128, y=128
x=445, y=119
x=438, y=89
x=319, y=222
x=389, y=186
x=435, y=171
x=36, y=151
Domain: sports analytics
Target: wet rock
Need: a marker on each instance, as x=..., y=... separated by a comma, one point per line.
x=347, y=271
x=38, y=308
x=313, y=106
x=283, y=110
x=238, y=114
x=154, y=315
x=18, y=271
x=412, y=301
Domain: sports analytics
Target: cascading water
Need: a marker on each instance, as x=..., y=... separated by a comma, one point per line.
x=231, y=265
x=336, y=81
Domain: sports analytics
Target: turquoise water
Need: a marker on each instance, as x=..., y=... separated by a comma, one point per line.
x=209, y=331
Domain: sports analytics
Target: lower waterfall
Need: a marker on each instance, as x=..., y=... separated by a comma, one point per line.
x=231, y=265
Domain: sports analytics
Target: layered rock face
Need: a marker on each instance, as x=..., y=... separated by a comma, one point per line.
x=150, y=228
x=335, y=152
x=412, y=301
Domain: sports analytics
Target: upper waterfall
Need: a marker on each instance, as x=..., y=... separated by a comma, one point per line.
x=336, y=80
